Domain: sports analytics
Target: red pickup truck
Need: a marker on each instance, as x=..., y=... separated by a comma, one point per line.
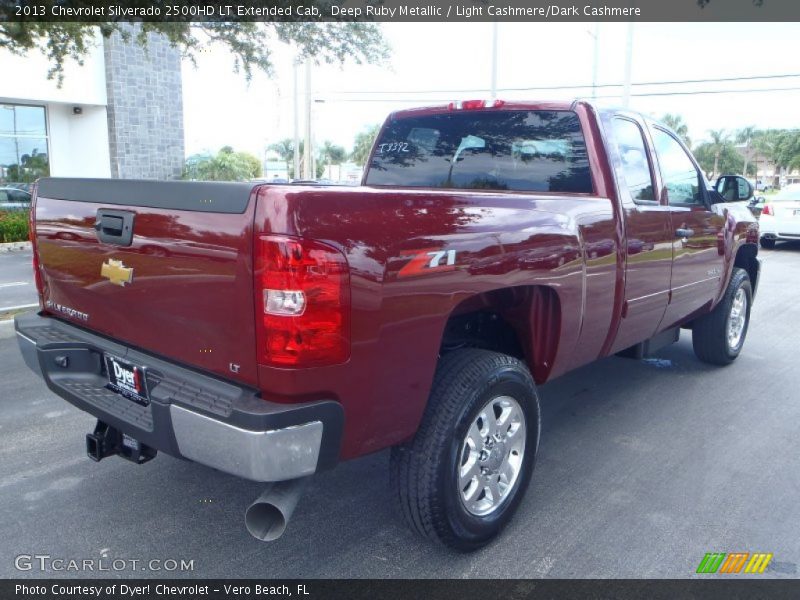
x=270, y=331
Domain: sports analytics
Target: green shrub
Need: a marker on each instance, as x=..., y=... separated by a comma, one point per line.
x=13, y=226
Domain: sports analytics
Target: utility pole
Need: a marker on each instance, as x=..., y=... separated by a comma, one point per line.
x=494, y=60
x=626, y=92
x=296, y=170
x=307, y=166
x=596, y=36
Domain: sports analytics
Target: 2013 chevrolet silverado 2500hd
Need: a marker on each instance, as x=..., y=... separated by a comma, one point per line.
x=270, y=331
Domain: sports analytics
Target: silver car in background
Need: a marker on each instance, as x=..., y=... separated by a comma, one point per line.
x=780, y=218
x=14, y=199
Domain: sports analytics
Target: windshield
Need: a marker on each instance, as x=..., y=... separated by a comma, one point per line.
x=541, y=151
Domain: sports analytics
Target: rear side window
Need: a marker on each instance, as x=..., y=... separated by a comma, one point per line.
x=541, y=151
x=635, y=164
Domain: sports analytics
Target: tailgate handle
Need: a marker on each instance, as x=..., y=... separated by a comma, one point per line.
x=114, y=226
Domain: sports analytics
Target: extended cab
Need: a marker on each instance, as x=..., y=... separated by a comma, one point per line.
x=271, y=331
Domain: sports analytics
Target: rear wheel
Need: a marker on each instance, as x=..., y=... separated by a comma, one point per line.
x=463, y=475
x=767, y=243
x=718, y=337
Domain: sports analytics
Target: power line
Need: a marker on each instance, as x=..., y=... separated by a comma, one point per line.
x=789, y=89
x=573, y=87
x=643, y=94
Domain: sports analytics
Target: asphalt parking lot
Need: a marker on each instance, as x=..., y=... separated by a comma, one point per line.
x=16, y=282
x=643, y=468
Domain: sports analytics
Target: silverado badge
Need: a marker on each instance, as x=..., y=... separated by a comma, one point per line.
x=116, y=272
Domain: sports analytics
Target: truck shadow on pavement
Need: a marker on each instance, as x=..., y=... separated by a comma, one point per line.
x=347, y=523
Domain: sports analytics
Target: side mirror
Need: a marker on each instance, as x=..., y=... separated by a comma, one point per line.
x=734, y=188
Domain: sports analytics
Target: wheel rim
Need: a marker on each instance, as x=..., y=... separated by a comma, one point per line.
x=491, y=456
x=737, y=319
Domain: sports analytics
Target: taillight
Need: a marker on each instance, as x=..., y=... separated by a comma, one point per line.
x=475, y=104
x=302, y=302
x=37, y=275
x=767, y=210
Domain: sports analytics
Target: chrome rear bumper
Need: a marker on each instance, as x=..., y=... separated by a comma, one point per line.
x=190, y=415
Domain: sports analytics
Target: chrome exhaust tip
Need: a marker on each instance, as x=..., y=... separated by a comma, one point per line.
x=266, y=518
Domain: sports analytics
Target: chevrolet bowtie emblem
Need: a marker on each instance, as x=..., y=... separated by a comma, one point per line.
x=116, y=272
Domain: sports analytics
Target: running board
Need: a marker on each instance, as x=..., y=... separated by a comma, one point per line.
x=647, y=348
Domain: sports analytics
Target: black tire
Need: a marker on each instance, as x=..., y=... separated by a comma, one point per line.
x=710, y=332
x=767, y=243
x=425, y=470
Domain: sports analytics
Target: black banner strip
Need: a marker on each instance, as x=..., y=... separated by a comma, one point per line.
x=728, y=588
x=22, y=11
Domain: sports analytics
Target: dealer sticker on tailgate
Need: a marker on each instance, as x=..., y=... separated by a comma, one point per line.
x=127, y=379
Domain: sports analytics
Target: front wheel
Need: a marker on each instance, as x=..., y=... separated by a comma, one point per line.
x=718, y=337
x=767, y=243
x=463, y=475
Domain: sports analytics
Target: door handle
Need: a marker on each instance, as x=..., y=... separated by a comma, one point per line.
x=114, y=226
x=109, y=225
x=684, y=233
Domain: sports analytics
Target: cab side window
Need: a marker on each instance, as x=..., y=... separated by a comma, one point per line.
x=635, y=162
x=682, y=180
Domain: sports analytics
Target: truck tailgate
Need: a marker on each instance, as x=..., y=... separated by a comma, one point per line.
x=181, y=287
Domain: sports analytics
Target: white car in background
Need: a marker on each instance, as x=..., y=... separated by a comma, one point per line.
x=780, y=219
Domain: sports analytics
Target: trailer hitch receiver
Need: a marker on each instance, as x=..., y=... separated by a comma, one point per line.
x=108, y=441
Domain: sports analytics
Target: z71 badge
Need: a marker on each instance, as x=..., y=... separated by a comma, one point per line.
x=428, y=260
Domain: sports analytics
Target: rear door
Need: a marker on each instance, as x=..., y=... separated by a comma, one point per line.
x=648, y=233
x=698, y=252
x=162, y=266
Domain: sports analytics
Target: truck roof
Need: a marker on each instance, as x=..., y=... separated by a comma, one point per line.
x=499, y=104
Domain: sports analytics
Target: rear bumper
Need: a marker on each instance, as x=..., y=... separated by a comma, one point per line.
x=190, y=415
x=771, y=235
x=779, y=228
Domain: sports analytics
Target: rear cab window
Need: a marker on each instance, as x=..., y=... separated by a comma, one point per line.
x=513, y=150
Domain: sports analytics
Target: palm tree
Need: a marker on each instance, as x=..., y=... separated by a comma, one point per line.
x=284, y=149
x=363, y=144
x=331, y=154
x=719, y=139
x=745, y=136
x=764, y=146
x=679, y=126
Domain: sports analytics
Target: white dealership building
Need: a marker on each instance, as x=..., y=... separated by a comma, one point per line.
x=119, y=114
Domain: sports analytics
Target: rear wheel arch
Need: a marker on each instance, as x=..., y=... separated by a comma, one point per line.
x=521, y=321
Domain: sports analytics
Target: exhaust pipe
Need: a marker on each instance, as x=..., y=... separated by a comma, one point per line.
x=267, y=517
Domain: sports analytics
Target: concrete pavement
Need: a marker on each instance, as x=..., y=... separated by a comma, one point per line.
x=643, y=468
x=16, y=279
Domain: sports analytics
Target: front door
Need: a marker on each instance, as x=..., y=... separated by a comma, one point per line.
x=697, y=251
